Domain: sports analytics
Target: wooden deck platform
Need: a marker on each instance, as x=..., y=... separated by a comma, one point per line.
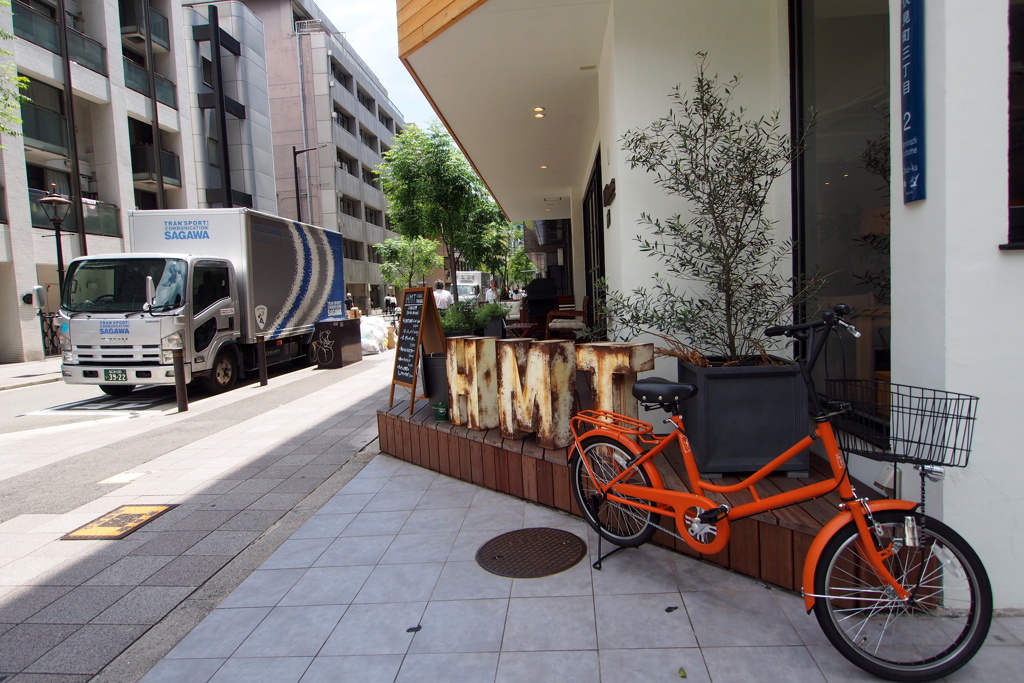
x=770, y=546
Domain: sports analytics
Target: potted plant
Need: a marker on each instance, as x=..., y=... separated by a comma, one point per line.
x=458, y=319
x=721, y=283
x=490, y=319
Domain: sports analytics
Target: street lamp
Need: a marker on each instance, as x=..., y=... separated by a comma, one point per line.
x=56, y=207
x=295, y=164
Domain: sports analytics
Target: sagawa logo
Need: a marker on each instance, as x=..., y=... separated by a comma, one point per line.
x=186, y=230
x=114, y=328
x=261, y=316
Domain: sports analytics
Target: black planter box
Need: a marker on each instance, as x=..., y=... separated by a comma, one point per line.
x=435, y=378
x=743, y=417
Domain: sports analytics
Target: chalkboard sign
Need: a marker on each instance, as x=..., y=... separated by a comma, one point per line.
x=420, y=325
x=409, y=338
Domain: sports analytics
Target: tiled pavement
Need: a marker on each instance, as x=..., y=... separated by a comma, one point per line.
x=381, y=585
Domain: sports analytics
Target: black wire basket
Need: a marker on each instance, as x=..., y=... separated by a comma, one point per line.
x=901, y=423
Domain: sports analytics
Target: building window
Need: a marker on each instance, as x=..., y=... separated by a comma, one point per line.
x=207, y=72
x=372, y=255
x=372, y=216
x=1015, y=239
x=349, y=206
x=370, y=178
x=344, y=120
x=365, y=100
x=368, y=138
x=212, y=152
x=341, y=77
x=843, y=221
x=353, y=250
x=386, y=121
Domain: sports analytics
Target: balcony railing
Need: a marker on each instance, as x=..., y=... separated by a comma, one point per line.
x=166, y=92
x=133, y=25
x=87, y=52
x=100, y=218
x=137, y=78
x=144, y=166
x=44, y=129
x=42, y=30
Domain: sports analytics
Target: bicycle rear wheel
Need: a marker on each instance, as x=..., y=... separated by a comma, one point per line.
x=931, y=636
x=617, y=522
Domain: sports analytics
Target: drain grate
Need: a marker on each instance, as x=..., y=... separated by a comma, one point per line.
x=531, y=553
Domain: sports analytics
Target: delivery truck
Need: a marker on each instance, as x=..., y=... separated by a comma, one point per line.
x=210, y=282
x=472, y=285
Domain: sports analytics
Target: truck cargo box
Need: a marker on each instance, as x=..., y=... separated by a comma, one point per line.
x=289, y=274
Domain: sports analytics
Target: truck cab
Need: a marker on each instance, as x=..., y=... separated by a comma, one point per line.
x=115, y=336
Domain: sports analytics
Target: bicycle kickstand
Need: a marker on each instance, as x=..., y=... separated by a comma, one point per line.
x=595, y=510
x=600, y=557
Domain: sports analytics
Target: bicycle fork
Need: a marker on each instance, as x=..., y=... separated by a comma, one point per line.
x=871, y=550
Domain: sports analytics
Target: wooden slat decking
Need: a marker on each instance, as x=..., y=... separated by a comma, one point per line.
x=770, y=546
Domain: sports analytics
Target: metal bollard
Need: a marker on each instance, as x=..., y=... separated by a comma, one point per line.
x=261, y=358
x=180, y=390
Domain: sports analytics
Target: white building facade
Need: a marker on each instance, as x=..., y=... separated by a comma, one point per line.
x=333, y=121
x=935, y=282
x=153, y=120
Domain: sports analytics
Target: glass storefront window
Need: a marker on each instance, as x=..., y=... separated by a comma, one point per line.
x=844, y=231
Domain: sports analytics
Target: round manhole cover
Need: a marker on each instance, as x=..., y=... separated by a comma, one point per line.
x=531, y=553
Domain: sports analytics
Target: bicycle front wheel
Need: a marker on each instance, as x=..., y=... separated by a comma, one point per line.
x=933, y=634
x=622, y=524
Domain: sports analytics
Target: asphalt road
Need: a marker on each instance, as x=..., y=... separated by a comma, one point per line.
x=56, y=403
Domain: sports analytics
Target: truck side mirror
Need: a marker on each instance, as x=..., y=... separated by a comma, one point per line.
x=38, y=298
x=150, y=293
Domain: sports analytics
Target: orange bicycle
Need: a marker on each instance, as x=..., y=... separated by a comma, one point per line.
x=898, y=593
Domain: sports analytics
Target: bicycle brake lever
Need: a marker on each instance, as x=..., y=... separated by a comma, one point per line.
x=849, y=328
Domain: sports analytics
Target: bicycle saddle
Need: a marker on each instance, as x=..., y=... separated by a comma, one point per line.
x=663, y=391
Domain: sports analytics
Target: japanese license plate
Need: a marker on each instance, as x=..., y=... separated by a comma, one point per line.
x=115, y=376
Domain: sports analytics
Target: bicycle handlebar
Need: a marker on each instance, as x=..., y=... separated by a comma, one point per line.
x=829, y=319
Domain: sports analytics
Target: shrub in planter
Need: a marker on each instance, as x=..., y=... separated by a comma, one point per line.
x=722, y=281
x=457, y=319
x=490, y=319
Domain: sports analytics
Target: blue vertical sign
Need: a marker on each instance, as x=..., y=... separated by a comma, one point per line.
x=911, y=23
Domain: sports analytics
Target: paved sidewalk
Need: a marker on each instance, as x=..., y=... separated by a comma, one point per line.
x=245, y=468
x=381, y=585
x=14, y=375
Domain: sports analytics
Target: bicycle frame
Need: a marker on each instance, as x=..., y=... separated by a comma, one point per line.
x=678, y=504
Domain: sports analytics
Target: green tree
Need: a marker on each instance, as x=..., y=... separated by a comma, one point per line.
x=407, y=260
x=11, y=85
x=521, y=269
x=494, y=249
x=433, y=192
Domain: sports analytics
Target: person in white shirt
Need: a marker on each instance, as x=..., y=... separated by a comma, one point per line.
x=492, y=293
x=442, y=297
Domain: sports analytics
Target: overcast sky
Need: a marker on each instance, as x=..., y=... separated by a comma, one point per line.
x=371, y=26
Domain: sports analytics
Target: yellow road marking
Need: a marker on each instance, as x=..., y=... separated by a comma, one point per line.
x=117, y=523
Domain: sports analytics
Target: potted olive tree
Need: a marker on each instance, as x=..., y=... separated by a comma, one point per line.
x=722, y=279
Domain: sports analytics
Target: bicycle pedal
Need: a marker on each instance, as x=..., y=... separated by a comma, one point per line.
x=713, y=515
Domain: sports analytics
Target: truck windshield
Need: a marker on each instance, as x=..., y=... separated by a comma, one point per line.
x=119, y=285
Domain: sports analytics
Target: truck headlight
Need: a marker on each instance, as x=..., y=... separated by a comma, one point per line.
x=67, y=355
x=170, y=343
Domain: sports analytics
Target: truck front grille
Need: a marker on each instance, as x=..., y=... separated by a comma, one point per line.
x=147, y=354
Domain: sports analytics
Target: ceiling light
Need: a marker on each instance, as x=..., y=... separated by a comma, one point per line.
x=544, y=166
x=538, y=116
x=538, y=108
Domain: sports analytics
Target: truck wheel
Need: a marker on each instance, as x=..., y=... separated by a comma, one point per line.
x=117, y=389
x=222, y=375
